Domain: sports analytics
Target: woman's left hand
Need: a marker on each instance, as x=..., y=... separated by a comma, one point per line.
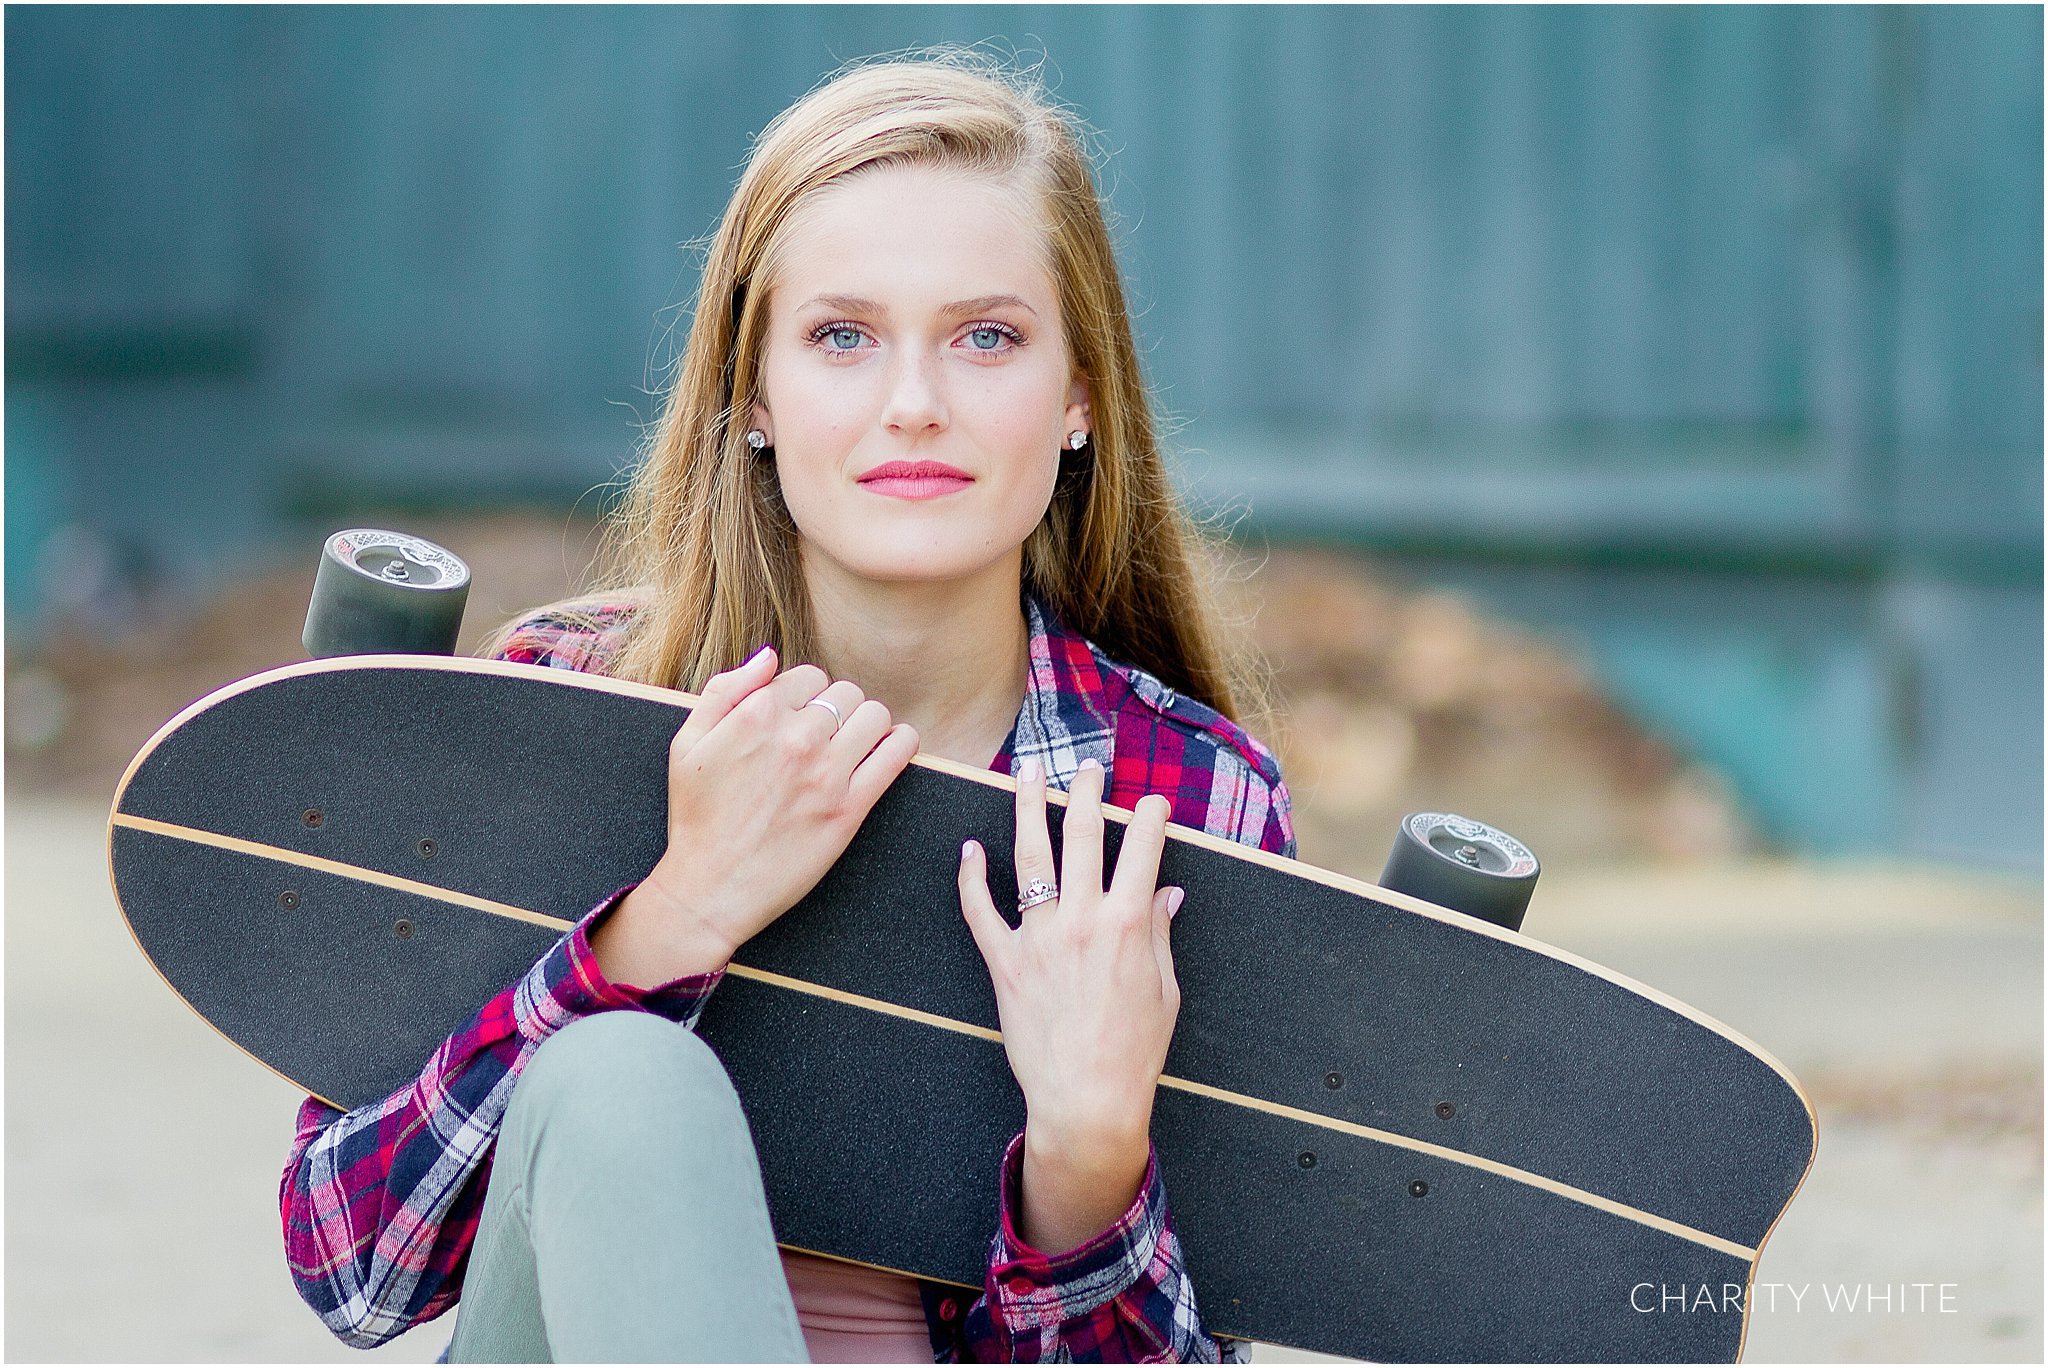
x=1087, y=999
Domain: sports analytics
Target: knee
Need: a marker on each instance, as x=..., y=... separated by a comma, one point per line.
x=622, y=1074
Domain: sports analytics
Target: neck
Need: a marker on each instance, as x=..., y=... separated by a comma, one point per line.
x=949, y=658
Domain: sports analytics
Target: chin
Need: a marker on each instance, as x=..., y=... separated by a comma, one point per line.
x=919, y=570
x=919, y=563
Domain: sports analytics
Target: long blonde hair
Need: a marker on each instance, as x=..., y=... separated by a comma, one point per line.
x=703, y=543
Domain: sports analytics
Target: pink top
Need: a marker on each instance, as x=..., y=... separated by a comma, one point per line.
x=852, y=1314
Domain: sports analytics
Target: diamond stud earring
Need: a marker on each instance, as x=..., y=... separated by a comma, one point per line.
x=1076, y=440
x=757, y=439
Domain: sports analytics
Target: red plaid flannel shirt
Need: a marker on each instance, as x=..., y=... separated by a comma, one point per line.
x=380, y=1205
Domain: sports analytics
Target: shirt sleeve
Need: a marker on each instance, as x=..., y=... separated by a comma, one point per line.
x=380, y=1205
x=1123, y=1297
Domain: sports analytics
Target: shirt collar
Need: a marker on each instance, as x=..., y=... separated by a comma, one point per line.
x=1067, y=716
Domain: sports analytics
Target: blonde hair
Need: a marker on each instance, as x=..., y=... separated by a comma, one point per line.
x=703, y=544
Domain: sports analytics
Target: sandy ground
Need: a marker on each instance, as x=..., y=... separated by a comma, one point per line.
x=142, y=1152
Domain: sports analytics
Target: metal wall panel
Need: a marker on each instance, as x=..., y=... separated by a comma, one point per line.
x=1616, y=250
x=1967, y=372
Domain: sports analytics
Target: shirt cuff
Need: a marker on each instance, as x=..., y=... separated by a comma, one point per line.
x=567, y=984
x=1032, y=1290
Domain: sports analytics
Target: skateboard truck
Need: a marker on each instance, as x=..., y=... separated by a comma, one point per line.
x=382, y=592
x=1464, y=865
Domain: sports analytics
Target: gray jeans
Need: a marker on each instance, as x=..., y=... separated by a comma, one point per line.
x=625, y=1220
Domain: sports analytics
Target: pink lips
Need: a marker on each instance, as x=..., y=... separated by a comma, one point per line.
x=915, y=479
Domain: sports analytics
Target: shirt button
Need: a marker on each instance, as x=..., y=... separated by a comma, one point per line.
x=949, y=1310
x=1020, y=1287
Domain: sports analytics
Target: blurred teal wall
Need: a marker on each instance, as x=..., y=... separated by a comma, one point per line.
x=1709, y=337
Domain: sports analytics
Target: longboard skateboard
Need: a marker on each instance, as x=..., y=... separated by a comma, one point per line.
x=1388, y=1130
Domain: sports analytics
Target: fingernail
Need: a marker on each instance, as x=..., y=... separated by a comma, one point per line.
x=966, y=849
x=1174, y=898
x=757, y=655
x=1030, y=771
x=1091, y=763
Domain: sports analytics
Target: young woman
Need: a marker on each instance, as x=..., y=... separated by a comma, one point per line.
x=909, y=450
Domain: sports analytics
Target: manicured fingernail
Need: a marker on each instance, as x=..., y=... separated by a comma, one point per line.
x=1091, y=763
x=1030, y=771
x=1174, y=898
x=966, y=849
x=757, y=655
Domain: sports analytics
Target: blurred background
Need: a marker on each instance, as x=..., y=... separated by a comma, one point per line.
x=1627, y=422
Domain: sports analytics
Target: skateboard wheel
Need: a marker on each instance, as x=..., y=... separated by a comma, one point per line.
x=384, y=591
x=1464, y=865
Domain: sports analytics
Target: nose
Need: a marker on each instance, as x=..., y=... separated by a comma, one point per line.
x=915, y=404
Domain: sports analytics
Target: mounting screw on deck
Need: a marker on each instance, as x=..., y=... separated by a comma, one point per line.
x=1333, y=1081
x=314, y=817
x=288, y=900
x=402, y=928
x=381, y=591
x=1307, y=1160
x=427, y=847
x=1418, y=1188
x=1464, y=865
x=1445, y=1111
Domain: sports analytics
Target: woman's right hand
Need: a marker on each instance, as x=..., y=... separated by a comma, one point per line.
x=764, y=794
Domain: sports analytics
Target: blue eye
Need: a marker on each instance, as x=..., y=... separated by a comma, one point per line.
x=836, y=339
x=997, y=333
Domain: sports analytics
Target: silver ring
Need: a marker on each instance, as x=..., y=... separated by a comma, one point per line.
x=838, y=719
x=1036, y=892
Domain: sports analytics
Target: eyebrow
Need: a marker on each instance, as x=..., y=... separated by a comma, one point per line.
x=860, y=305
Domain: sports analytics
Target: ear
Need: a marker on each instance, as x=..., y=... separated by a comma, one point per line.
x=1080, y=411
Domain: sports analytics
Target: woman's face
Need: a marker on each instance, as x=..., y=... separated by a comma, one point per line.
x=915, y=383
